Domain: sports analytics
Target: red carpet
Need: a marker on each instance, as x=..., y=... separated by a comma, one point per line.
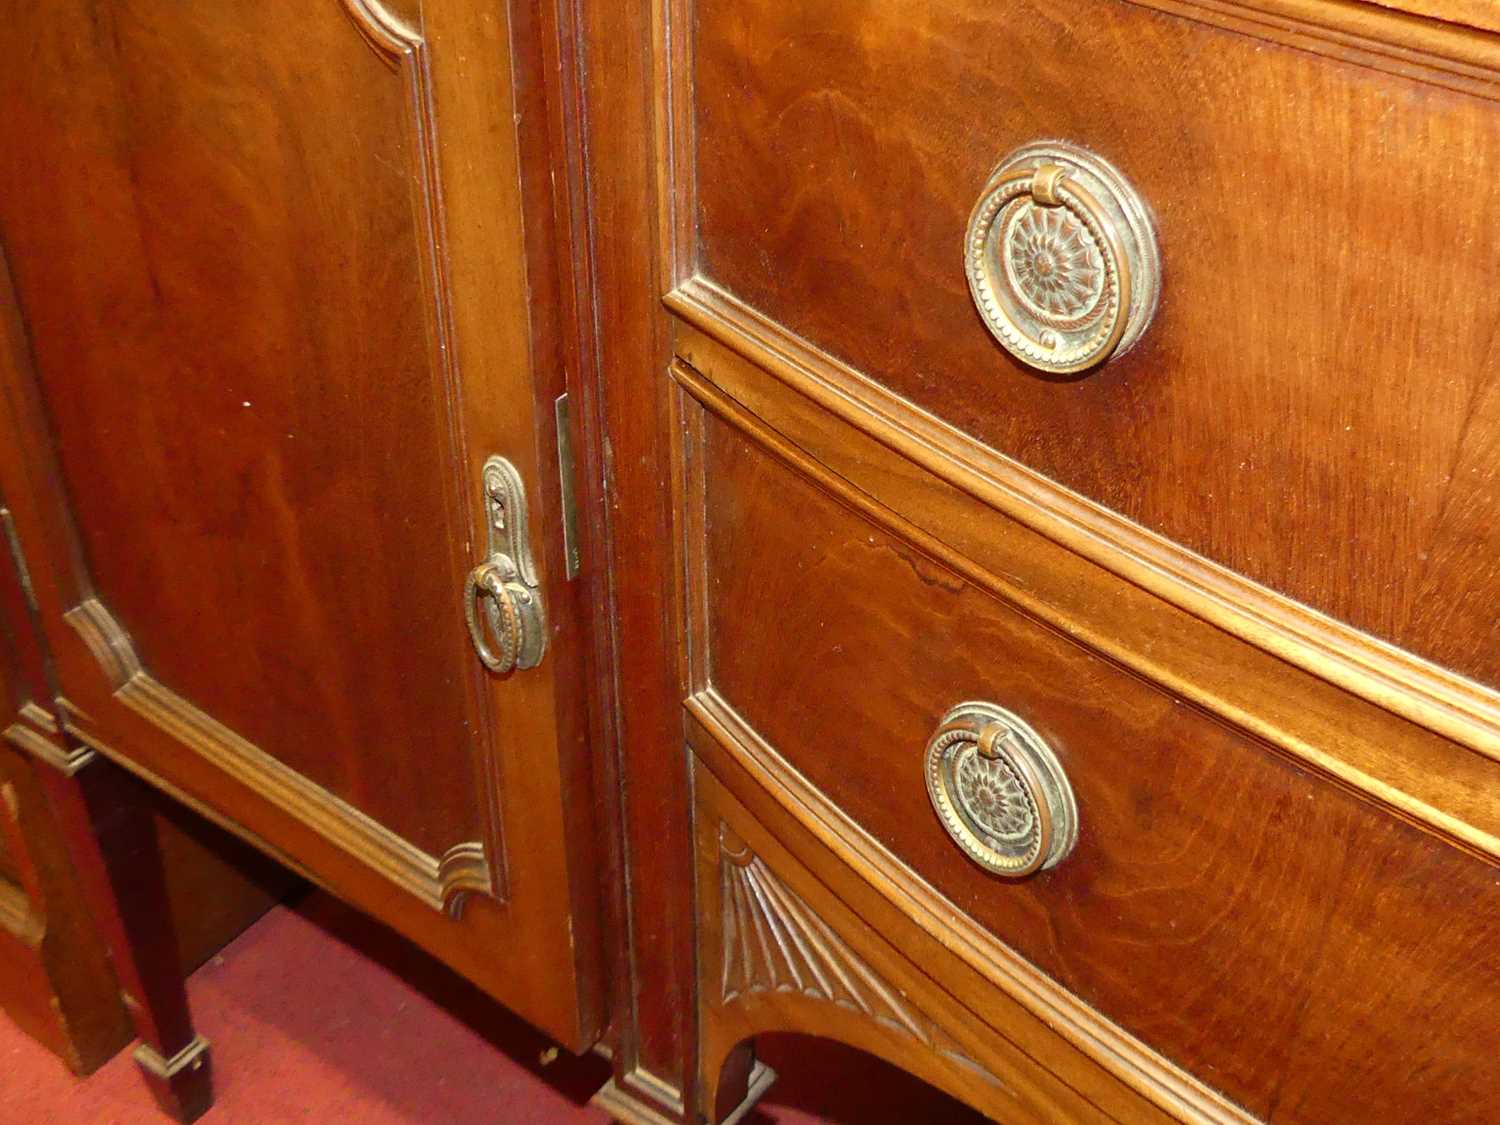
x=317, y=1014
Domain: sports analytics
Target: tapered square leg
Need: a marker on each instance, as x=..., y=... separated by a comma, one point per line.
x=111, y=836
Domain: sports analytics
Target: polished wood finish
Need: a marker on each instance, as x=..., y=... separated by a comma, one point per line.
x=105, y=816
x=1183, y=822
x=56, y=978
x=232, y=351
x=777, y=953
x=811, y=172
x=1316, y=405
x=287, y=275
x=273, y=269
x=625, y=347
x=1108, y=1067
x=56, y=983
x=1002, y=533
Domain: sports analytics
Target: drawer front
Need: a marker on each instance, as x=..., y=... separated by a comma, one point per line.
x=1287, y=943
x=1316, y=404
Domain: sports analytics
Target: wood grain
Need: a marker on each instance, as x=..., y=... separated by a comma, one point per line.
x=231, y=396
x=1316, y=405
x=55, y=979
x=112, y=841
x=905, y=1018
x=1205, y=866
x=627, y=344
x=278, y=323
x=1016, y=536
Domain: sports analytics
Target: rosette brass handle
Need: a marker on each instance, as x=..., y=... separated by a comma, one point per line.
x=1062, y=259
x=501, y=597
x=1000, y=791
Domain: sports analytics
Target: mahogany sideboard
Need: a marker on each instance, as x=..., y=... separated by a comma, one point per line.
x=967, y=529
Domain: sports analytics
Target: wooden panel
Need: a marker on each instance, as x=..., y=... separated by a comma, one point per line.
x=626, y=347
x=276, y=324
x=56, y=982
x=218, y=255
x=1316, y=405
x=1206, y=868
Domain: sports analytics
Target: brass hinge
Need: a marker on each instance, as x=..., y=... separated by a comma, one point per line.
x=566, y=473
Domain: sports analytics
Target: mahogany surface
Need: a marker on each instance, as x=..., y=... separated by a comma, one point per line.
x=627, y=349
x=284, y=278
x=1211, y=879
x=59, y=987
x=58, y=978
x=846, y=972
x=216, y=253
x=56, y=983
x=811, y=170
x=1316, y=405
x=286, y=274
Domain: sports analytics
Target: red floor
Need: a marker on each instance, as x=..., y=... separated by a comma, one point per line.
x=318, y=1015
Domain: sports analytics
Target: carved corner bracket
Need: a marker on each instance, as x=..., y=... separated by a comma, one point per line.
x=106, y=640
x=391, y=35
x=464, y=870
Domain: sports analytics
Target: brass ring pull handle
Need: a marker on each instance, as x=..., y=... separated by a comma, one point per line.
x=1000, y=791
x=502, y=597
x=1062, y=259
x=511, y=612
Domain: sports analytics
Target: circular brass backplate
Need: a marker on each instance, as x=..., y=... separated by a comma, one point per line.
x=1000, y=791
x=1061, y=258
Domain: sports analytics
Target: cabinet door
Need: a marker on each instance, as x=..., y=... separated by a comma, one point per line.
x=273, y=313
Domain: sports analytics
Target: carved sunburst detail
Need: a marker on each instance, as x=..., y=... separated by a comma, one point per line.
x=773, y=941
x=1054, y=262
x=993, y=796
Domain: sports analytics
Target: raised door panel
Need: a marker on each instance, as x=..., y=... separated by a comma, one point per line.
x=277, y=321
x=253, y=438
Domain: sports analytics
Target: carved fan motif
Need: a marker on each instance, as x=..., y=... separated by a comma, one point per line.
x=774, y=942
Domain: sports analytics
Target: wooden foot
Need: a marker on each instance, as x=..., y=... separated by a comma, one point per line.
x=625, y=1107
x=734, y=1080
x=183, y=1084
x=111, y=837
x=742, y=1080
